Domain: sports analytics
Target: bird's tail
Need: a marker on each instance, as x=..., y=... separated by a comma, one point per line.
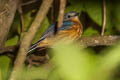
x=34, y=46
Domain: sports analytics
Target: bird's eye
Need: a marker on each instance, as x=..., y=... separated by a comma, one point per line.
x=68, y=16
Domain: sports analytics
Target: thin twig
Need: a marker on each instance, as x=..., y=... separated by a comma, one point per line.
x=29, y=2
x=61, y=12
x=22, y=22
x=27, y=39
x=22, y=17
x=104, y=18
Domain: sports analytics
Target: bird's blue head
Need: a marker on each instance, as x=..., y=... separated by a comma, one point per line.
x=70, y=15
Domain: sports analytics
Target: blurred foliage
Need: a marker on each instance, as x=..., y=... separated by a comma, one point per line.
x=70, y=61
x=75, y=63
x=0, y=75
x=34, y=72
x=4, y=67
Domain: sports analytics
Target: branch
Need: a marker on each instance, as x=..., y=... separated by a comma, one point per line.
x=61, y=12
x=7, y=13
x=27, y=39
x=4, y=50
x=85, y=41
x=99, y=40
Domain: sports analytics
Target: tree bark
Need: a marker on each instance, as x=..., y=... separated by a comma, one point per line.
x=99, y=40
x=7, y=12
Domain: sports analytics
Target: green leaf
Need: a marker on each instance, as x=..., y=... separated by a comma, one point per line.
x=78, y=7
x=27, y=20
x=116, y=15
x=4, y=66
x=11, y=42
x=90, y=31
x=94, y=10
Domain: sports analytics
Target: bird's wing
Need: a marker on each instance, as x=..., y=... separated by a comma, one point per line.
x=49, y=32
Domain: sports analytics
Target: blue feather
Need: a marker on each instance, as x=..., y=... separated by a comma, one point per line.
x=66, y=25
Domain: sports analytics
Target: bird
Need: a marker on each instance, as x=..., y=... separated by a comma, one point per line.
x=71, y=29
